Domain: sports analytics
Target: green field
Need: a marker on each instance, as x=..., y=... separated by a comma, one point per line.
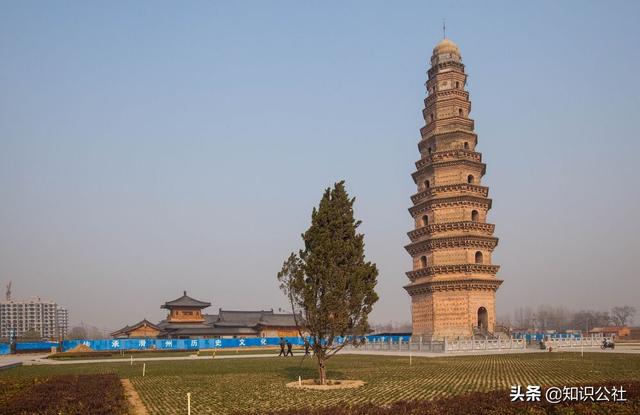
x=240, y=385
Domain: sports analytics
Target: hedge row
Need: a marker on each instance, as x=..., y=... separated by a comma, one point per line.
x=70, y=395
x=488, y=403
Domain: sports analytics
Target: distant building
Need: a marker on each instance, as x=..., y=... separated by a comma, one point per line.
x=185, y=319
x=45, y=317
x=141, y=329
x=634, y=333
x=620, y=332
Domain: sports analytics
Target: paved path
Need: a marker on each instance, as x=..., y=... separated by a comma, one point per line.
x=40, y=359
x=10, y=360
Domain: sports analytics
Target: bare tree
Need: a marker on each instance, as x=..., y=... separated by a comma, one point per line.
x=621, y=316
x=77, y=332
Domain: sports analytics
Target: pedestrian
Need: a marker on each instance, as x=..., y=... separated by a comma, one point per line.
x=306, y=347
x=289, y=351
x=282, y=353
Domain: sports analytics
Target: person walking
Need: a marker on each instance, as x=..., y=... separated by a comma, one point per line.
x=282, y=344
x=289, y=351
x=306, y=347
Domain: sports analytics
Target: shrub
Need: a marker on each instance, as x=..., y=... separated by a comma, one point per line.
x=70, y=395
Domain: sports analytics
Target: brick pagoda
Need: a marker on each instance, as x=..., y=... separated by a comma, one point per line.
x=453, y=282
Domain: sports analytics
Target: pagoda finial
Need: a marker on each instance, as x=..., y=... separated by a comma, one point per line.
x=444, y=29
x=185, y=292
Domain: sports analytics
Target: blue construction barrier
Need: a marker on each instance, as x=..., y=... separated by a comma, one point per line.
x=176, y=344
x=4, y=348
x=386, y=339
x=35, y=346
x=195, y=344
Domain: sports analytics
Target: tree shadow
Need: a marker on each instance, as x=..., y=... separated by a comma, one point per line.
x=308, y=369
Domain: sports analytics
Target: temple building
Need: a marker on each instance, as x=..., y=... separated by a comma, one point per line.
x=185, y=319
x=141, y=329
x=453, y=281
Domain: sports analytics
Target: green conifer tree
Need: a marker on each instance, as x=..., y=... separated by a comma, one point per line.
x=329, y=281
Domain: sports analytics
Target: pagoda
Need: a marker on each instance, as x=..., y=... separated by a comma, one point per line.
x=453, y=281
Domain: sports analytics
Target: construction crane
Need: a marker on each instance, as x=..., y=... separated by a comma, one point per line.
x=8, y=292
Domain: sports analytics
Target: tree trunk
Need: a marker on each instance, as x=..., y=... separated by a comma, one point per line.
x=322, y=370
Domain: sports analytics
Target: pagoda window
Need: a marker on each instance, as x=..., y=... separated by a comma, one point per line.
x=466, y=145
x=425, y=220
x=431, y=117
x=460, y=112
x=458, y=85
x=470, y=178
x=429, y=150
x=474, y=215
x=478, y=257
x=423, y=261
x=426, y=184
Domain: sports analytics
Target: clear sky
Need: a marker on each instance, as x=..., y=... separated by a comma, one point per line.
x=148, y=148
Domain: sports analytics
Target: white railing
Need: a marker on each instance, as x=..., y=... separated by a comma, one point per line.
x=591, y=341
x=415, y=344
x=458, y=345
x=418, y=344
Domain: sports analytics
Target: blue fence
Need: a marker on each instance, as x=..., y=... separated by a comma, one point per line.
x=195, y=344
x=5, y=348
x=176, y=344
x=35, y=346
x=394, y=339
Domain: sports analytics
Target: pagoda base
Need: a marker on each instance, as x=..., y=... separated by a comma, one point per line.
x=454, y=313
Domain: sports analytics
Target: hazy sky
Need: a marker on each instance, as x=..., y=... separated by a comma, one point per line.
x=148, y=148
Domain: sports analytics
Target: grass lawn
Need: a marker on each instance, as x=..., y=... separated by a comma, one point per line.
x=242, y=385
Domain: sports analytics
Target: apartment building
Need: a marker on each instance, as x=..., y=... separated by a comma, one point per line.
x=45, y=317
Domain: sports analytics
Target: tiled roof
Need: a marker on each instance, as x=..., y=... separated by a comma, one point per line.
x=132, y=327
x=227, y=323
x=185, y=301
x=286, y=320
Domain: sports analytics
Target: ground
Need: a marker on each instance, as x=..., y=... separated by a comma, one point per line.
x=224, y=386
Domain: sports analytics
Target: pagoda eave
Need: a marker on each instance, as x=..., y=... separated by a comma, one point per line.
x=465, y=226
x=453, y=269
x=450, y=201
x=455, y=154
x=482, y=191
x=460, y=162
x=454, y=285
x=463, y=241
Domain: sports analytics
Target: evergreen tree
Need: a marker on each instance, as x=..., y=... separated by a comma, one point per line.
x=329, y=280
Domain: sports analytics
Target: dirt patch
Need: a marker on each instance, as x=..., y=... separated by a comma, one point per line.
x=331, y=384
x=80, y=348
x=95, y=394
x=135, y=403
